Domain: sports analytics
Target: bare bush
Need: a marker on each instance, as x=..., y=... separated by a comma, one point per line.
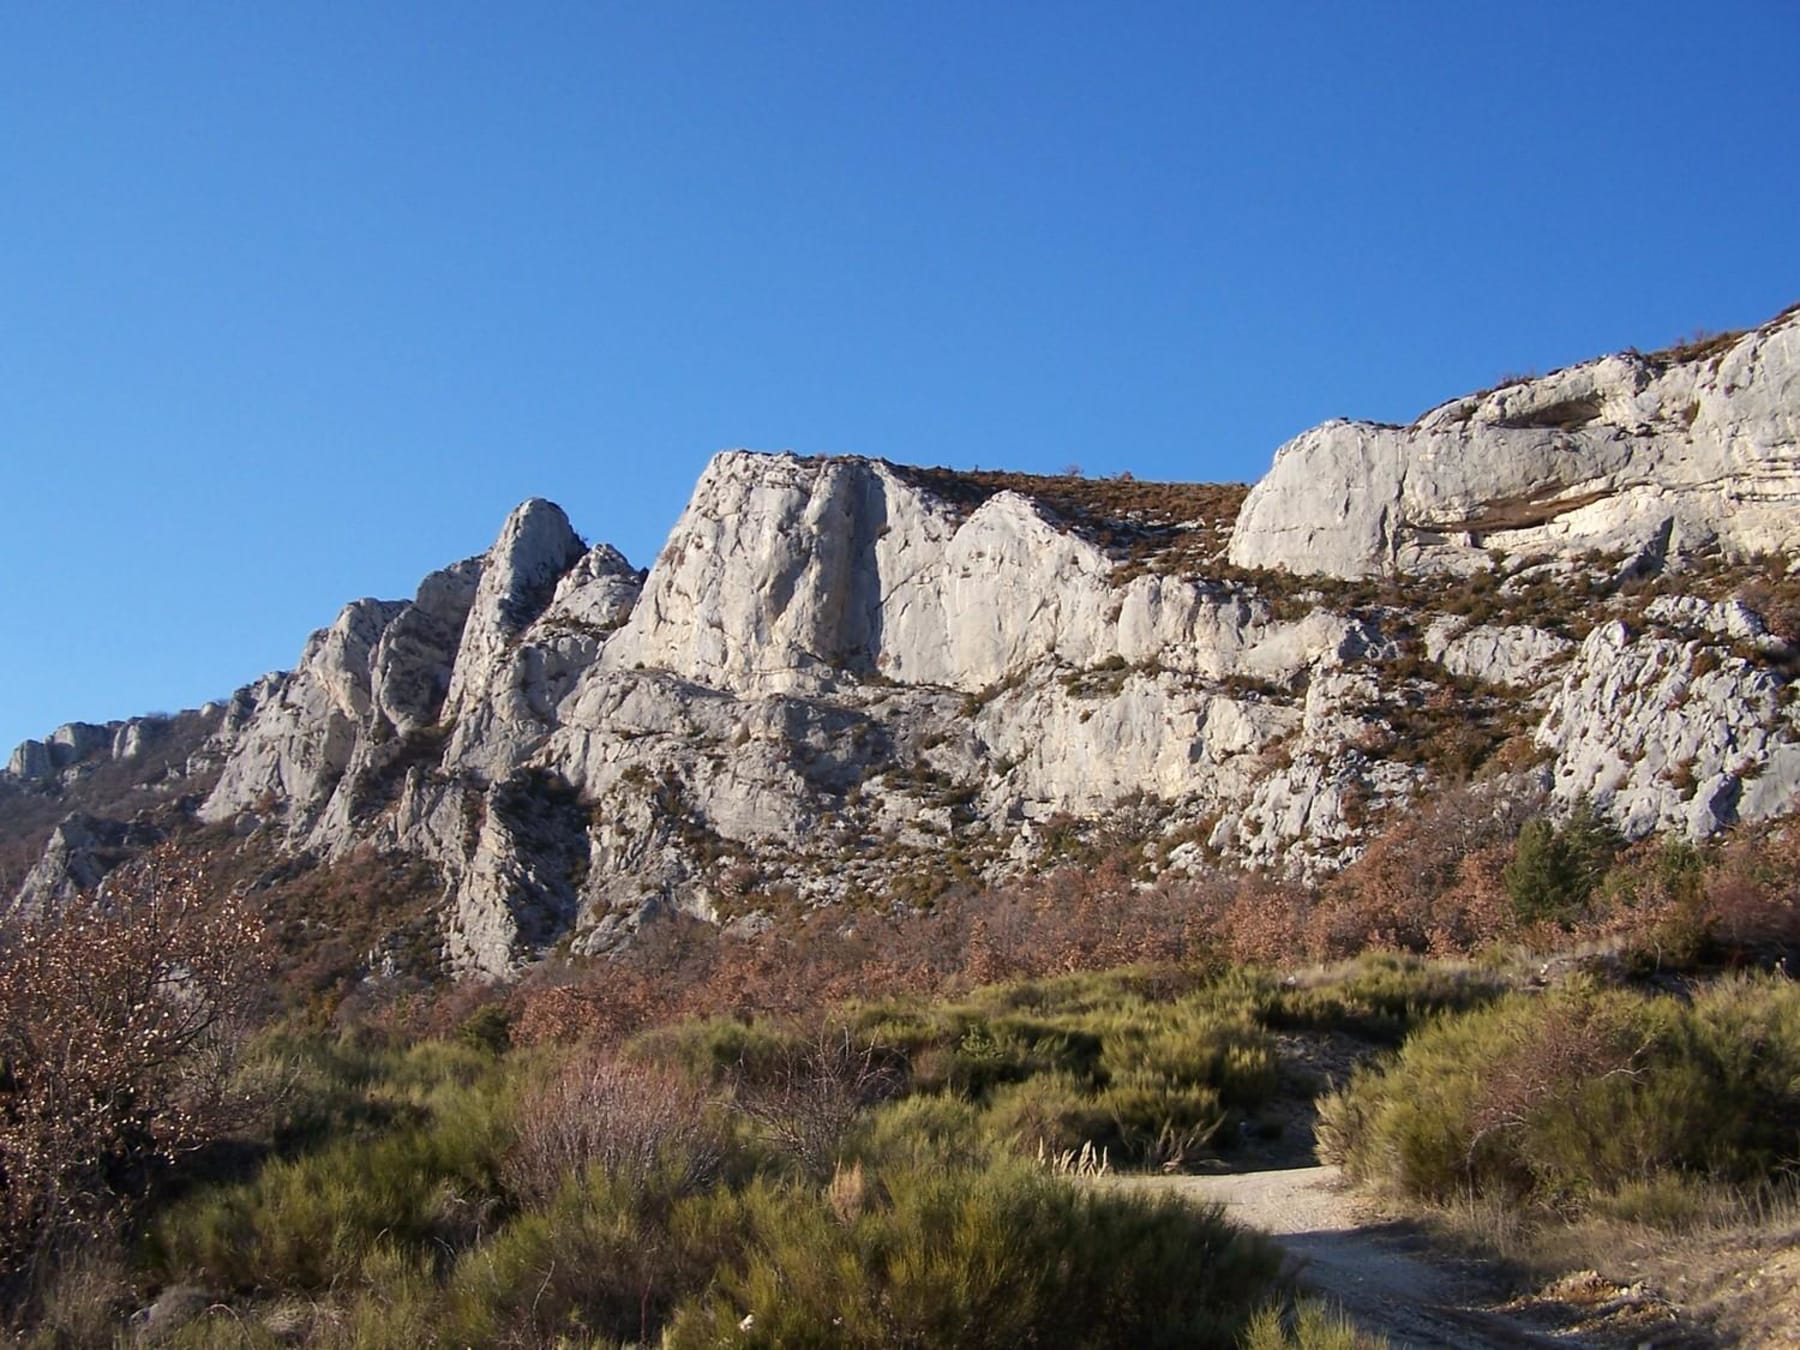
x=122, y=1018
x=804, y=1104
x=605, y=1113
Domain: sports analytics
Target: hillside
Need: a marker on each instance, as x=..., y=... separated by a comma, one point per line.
x=851, y=684
x=865, y=913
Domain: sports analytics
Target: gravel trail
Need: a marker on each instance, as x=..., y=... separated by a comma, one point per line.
x=1379, y=1273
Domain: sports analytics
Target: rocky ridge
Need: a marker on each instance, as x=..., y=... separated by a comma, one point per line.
x=848, y=682
x=1672, y=453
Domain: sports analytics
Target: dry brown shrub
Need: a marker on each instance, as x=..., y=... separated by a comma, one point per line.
x=1753, y=892
x=812, y=1094
x=122, y=1019
x=1430, y=882
x=1263, y=921
x=619, y=1117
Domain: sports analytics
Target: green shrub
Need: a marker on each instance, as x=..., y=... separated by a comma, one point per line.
x=488, y=1028
x=918, y=1130
x=610, y=1257
x=429, y=1183
x=718, y=1050
x=1000, y=1257
x=1382, y=997
x=1052, y=1114
x=1554, y=870
x=1565, y=1099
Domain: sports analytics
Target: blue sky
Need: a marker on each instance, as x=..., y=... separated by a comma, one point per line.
x=296, y=301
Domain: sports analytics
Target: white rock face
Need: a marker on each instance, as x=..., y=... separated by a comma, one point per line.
x=293, y=736
x=79, y=746
x=1512, y=654
x=1620, y=454
x=533, y=670
x=30, y=761
x=411, y=666
x=832, y=675
x=518, y=580
x=842, y=677
x=68, y=744
x=786, y=573
x=1671, y=734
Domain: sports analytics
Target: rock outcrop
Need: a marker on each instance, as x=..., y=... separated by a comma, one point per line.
x=847, y=682
x=1635, y=455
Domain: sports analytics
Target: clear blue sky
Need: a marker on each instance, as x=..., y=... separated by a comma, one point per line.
x=296, y=301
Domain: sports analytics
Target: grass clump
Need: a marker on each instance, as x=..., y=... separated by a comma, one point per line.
x=1309, y=1325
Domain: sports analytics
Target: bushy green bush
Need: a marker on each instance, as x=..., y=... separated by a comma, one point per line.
x=1145, y=1065
x=1002, y=1257
x=610, y=1257
x=1566, y=1099
x=427, y=1179
x=1556, y=868
x=918, y=1130
x=717, y=1050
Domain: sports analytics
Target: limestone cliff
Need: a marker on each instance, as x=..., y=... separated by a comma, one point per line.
x=1677, y=452
x=848, y=682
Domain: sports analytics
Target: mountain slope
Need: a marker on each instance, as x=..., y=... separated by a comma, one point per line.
x=848, y=682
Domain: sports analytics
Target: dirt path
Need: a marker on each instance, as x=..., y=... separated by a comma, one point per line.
x=1379, y=1273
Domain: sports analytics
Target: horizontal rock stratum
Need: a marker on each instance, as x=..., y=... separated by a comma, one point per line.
x=1639, y=454
x=845, y=682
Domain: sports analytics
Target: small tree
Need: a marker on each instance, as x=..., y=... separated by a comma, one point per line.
x=121, y=1019
x=1554, y=871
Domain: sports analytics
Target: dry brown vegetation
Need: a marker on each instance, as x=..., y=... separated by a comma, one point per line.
x=601, y=1112
x=121, y=1021
x=1434, y=882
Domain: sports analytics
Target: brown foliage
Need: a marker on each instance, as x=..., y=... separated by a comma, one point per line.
x=121, y=1019
x=619, y=1117
x=1068, y=920
x=1430, y=882
x=814, y=1092
x=1753, y=894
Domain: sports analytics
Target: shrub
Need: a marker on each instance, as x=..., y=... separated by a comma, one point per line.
x=426, y=1184
x=1562, y=1099
x=807, y=1100
x=717, y=1051
x=1005, y=1256
x=1381, y=996
x=1554, y=871
x=122, y=1022
x=917, y=1130
x=488, y=1028
x=600, y=1112
x=609, y=1258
